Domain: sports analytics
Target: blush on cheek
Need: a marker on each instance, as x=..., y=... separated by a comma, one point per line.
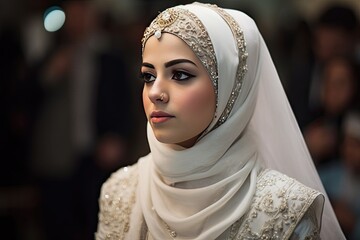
x=199, y=101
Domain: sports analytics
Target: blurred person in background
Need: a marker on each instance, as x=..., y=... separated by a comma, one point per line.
x=84, y=123
x=18, y=197
x=342, y=178
x=338, y=93
x=334, y=33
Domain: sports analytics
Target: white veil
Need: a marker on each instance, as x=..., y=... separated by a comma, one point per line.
x=271, y=124
x=279, y=139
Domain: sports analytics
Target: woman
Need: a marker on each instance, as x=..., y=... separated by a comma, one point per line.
x=217, y=120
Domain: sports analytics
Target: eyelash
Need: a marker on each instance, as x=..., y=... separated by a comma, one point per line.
x=149, y=77
x=145, y=75
x=187, y=75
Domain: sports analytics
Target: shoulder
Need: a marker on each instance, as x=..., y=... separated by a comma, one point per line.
x=271, y=182
x=279, y=204
x=118, y=195
x=122, y=179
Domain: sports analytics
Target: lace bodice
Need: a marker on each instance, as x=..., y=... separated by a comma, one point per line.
x=282, y=208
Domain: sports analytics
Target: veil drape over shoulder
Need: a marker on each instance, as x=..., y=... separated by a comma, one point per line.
x=278, y=137
x=254, y=128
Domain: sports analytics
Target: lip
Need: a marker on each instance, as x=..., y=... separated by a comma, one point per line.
x=160, y=117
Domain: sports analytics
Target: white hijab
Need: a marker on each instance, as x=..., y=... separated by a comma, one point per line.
x=201, y=191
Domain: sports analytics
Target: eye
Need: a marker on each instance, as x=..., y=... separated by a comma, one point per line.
x=147, y=77
x=181, y=76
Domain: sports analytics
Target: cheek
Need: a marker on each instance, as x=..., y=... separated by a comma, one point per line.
x=199, y=101
x=146, y=101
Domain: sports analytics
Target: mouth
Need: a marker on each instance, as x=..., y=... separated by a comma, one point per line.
x=160, y=117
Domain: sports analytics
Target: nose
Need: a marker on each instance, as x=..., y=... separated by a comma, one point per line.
x=158, y=91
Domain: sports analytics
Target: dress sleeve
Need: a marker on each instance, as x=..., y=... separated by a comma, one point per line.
x=115, y=204
x=102, y=226
x=309, y=226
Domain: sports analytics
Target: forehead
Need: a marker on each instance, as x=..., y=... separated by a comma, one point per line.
x=168, y=46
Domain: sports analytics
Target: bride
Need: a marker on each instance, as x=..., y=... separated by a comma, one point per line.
x=227, y=158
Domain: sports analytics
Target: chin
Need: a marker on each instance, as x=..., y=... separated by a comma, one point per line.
x=166, y=139
x=163, y=138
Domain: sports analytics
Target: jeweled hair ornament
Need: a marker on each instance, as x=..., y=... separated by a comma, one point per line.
x=186, y=25
x=164, y=19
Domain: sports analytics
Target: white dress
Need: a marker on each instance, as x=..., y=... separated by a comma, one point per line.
x=216, y=189
x=282, y=208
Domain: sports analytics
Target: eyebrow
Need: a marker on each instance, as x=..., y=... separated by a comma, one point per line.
x=170, y=63
x=177, y=61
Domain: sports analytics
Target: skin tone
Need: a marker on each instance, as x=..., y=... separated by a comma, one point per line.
x=338, y=89
x=330, y=41
x=338, y=86
x=351, y=152
x=178, y=95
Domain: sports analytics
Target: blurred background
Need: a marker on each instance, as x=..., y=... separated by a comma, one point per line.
x=71, y=111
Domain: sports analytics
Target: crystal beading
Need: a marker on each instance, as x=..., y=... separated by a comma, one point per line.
x=242, y=65
x=187, y=26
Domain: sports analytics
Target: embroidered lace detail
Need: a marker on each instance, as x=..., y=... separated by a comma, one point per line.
x=242, y=66
x=308, y=228
x=186, y=25
x=116, y=202
x=277, y=208
x=279, y=204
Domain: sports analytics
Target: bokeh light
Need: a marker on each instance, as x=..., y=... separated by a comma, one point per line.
x=54, y=19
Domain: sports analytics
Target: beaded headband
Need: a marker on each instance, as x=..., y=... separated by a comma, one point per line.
x=186, y=25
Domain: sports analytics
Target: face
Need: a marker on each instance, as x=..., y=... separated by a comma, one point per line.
x=351, y=152
x=178, y=95
x=331, y=42
x=338, y=88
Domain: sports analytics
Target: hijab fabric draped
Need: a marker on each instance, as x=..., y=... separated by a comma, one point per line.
x=201, y=191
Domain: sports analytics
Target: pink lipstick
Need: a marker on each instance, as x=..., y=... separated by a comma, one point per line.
x=160, y=117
